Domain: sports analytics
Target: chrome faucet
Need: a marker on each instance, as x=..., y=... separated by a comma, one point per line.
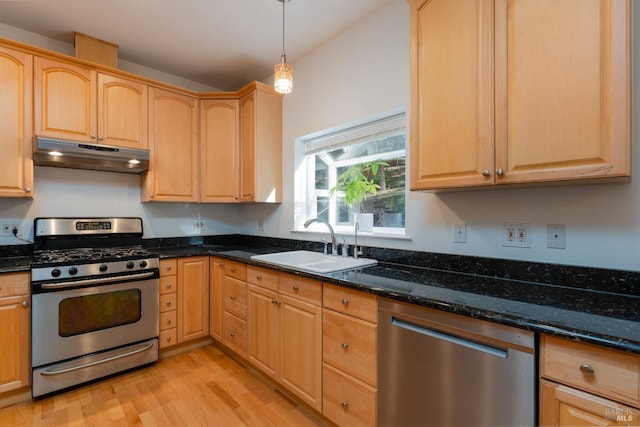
x=334, y=244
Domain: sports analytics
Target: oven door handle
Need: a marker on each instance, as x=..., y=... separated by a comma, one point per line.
x=97, y=362
x=97, y=281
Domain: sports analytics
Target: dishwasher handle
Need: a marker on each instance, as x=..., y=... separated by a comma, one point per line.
x=485, y=348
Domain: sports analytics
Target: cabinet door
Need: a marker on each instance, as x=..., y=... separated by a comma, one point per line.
x=173, y=169
x=263, y=329
x=216, y=278
x=564, y=406
x=122, y=112
x=193, y=298
x=301, y=350
x=452, y=93
x=219, y=130
x=14, y=333
x=562, y=89
x=16, y=164
x=65, y=100
x=261, y=145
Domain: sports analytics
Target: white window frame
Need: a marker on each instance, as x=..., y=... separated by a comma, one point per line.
x=370, y=129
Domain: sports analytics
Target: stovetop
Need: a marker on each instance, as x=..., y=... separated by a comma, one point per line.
x=89, y=255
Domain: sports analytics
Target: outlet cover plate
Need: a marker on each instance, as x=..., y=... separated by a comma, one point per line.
x=460, y=233
x=516, y=234
x=556, y=236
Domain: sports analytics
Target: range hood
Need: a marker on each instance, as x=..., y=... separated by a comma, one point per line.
x=80, y=155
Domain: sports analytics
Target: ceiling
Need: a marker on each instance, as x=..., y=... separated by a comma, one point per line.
x=221, y=43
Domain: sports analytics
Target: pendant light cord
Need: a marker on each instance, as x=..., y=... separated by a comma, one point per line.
x=284, y=55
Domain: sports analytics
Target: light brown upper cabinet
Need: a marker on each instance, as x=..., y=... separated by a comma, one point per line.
x=16, y=164
x=220, y=159
x=260, y=144
x=78, y=103
x=174, y=145
x=519, y=91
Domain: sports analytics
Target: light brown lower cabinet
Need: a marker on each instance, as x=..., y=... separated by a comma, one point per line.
x=234, y=305
x=14, y=331
x=587, y=385
x=284, y=331
x=168, y=303
x=350, y=356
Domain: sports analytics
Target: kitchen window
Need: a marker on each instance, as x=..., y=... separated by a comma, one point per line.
x=327, y=154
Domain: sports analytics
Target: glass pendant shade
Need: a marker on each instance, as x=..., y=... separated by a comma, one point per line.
x=283, y=79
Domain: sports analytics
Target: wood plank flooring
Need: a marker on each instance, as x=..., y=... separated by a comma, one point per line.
x=200, y=387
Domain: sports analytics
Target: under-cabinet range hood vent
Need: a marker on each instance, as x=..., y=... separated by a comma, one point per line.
x=79, y=155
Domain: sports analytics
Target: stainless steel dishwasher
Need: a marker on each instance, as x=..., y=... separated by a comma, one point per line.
x=442, y=369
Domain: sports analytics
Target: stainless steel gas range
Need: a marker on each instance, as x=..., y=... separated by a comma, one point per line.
x=94, y=301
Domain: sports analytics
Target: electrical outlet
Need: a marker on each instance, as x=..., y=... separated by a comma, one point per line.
x=6, y=229
x=16, y=227
x=557, y=236
x=460, y=233
x=517, y=235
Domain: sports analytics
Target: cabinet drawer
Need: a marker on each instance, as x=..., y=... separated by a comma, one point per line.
x=234, y=333
x=168, y=337
x=308, y=290
x=168, y=319
x=235, y=269
x=234, y=297
x=349, y=301
x=13, y=284
x=168, y=266
x=168, y=284
x=347, y=401
x=608, y=373
x=350, y=345
x=168, y=302
x=262, y=277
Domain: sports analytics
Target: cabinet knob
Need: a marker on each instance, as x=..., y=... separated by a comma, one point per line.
x=499, y=172
x=168, y=303
x=232, y=297
x=101, y=137
x=93, y=136
x=586, y=369
x=345, y=301
x=345, y=404
x=25, y=304
x=276, y=302
x=259, y=277
x=168, y=267
x=296, y=288
x=232, y=334
x=233, y=269
x=486, y=172
x=168, y=321
x=168, y=339
x=345, y=345
x=168, y=285
x=27, y=190
x=151, y=196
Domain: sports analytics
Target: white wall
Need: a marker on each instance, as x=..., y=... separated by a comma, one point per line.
x=364, y=72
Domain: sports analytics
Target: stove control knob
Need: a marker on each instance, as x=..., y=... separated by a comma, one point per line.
x=55, y=272
x=73, y=271
x=130, y=265
x=143, y=263
x=103, y=267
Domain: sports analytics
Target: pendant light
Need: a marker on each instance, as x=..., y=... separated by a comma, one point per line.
x=283, y=72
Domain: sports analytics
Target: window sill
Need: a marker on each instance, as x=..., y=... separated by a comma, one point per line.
x=381, y=236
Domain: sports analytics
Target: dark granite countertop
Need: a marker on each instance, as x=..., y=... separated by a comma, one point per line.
x=590, y=305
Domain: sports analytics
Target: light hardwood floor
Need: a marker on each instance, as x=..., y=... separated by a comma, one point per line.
x=200, y=387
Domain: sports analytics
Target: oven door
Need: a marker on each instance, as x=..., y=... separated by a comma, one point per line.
x=75, y=322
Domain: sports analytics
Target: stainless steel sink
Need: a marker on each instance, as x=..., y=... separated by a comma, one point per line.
x=314, y=262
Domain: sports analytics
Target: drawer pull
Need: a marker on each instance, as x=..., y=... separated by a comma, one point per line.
x=345, y=345
x=586, y=369
x=345, y=301
x=275, y=301
x=259, y=277
x=345, y=404
x=168, y=339
x=168, y=303
x=233, y=269
x=168, y=267
x=25, y=304
x=296, y=288
x=168, y=321
x=232, y=334
x=232, y=297
x=168, y=285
